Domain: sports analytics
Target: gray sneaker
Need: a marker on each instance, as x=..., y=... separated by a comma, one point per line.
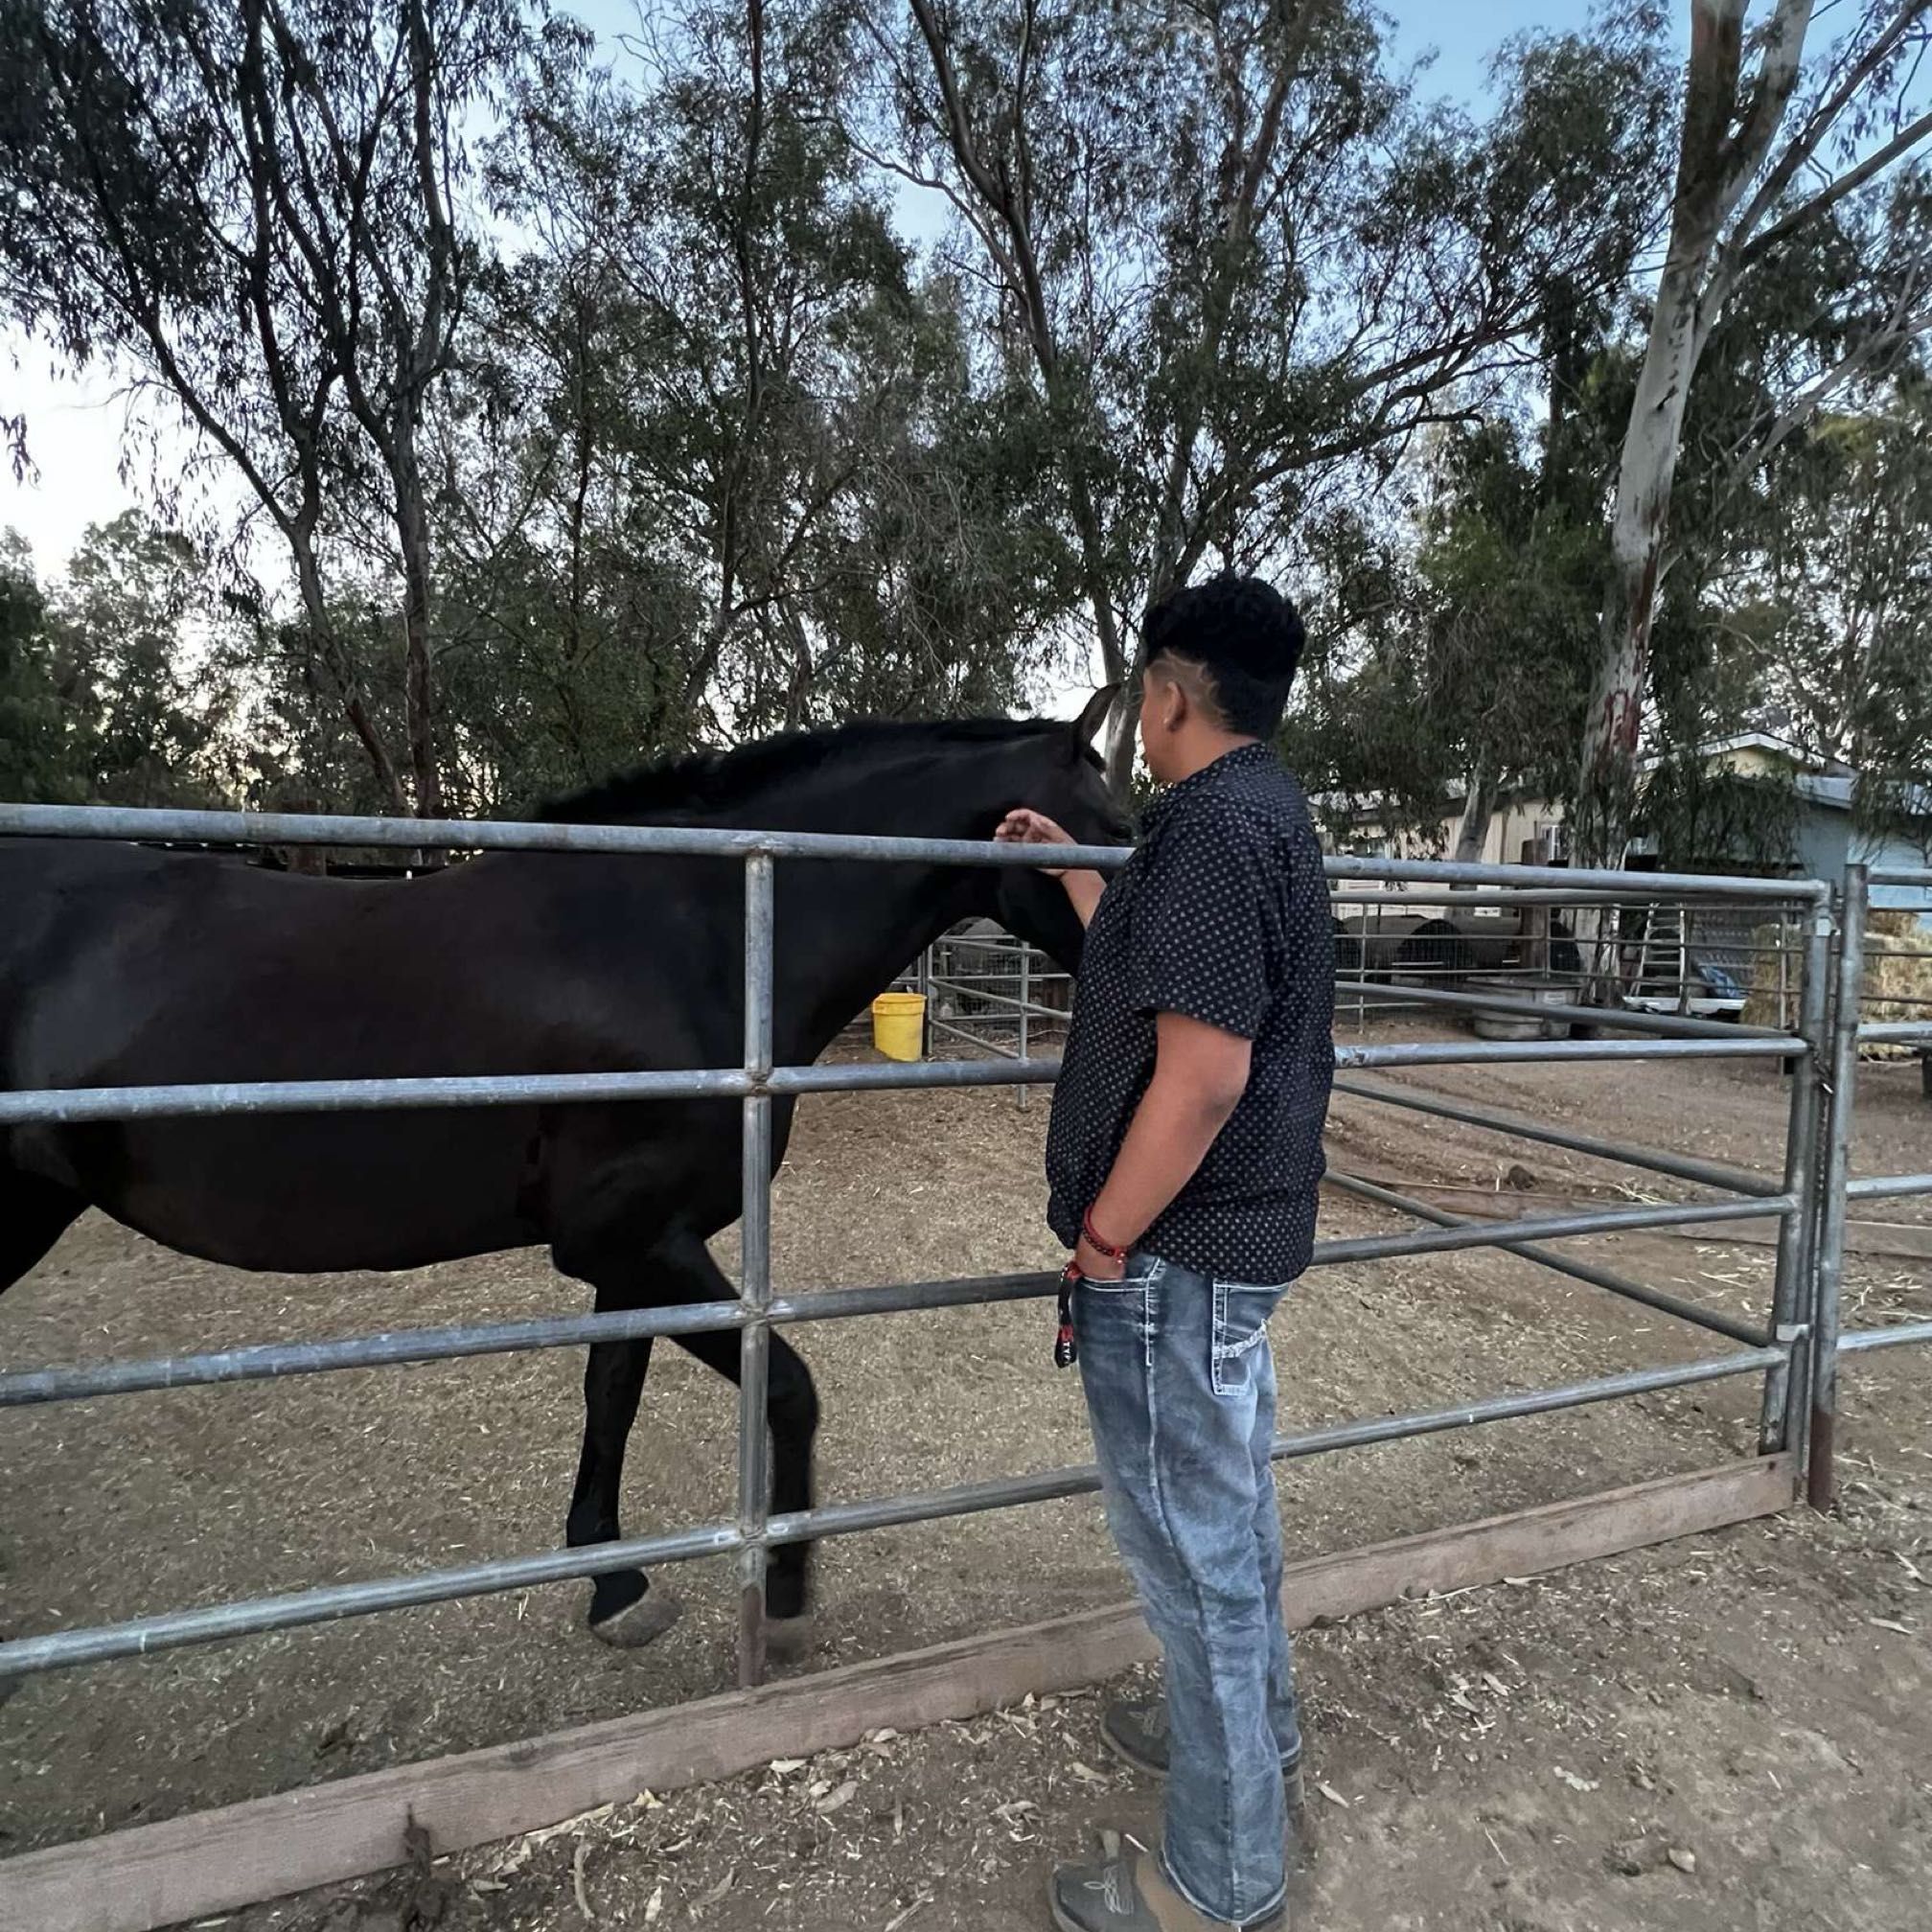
x=1135, y=1731
x=1127, y=1892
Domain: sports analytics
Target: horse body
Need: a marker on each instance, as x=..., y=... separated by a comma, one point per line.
x=121, y=965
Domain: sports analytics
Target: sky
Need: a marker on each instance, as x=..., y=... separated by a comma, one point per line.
x=75, y=424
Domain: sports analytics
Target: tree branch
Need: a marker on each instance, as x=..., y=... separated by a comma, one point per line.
x=1835, y=192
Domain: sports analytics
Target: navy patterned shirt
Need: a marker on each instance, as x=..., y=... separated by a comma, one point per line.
x=1221, y=915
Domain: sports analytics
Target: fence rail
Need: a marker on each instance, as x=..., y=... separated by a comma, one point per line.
x=1775, y=1347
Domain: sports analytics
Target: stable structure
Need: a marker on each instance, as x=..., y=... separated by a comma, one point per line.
x=132, y=1880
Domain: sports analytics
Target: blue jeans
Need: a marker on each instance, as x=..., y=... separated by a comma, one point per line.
x=1181, y=1390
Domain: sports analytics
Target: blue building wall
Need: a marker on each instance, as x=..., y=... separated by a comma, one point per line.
x=1827, y=841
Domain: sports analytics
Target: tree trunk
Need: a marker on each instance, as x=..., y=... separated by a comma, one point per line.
x=1006, y=200
x=315, y=604
x=1243, y=176
x=1706, y=186
x=420, y=689
x=1648, y=464
x=1114, y=667
x=1472, y=833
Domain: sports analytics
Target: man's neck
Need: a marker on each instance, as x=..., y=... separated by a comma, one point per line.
x=1209, y=747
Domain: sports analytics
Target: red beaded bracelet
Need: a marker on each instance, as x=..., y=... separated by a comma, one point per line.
x=1098, y=1242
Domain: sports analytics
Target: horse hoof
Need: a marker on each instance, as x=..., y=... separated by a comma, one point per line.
x=640, y=1623
x=787, y=1639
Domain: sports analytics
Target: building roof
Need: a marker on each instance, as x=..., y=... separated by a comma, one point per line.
x=1760, y=741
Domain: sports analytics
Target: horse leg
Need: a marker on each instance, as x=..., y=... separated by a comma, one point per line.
x=612, y=1225
x=33, y=1215
x=791, y=1412
x=624, y=1609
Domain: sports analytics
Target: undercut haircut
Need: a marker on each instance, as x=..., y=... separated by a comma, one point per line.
x=1243, y=638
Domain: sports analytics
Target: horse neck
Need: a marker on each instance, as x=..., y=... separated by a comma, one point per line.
x=847, y=927
x=850, y=935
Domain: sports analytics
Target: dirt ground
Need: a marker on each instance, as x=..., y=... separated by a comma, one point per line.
x=1730, y=1732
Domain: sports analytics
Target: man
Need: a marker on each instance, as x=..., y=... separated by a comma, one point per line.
x=1184, y=1157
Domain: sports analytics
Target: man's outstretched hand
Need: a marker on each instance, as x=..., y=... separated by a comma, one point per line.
x=1027, y=827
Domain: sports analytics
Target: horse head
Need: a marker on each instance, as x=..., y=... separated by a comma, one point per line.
x=1061, y=774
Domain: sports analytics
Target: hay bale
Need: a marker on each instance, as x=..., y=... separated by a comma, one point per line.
x=1777, y=974
x=1898, y=972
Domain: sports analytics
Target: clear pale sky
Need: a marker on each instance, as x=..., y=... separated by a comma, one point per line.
x=75, y=425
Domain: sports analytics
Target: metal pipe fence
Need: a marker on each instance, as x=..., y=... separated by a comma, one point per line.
x=981, y=989
x=1772, y=1348
x=1634, y=1019
x=1657, y=1299
x=1691, y=958
x=1682, y=1167
x=221, y=1621
x=1849, y=1031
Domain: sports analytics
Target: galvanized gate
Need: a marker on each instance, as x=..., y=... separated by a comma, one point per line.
x=1769, y=1346
x=1776, y=1347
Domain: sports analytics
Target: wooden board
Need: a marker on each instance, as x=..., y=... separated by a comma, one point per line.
x=214, y=1861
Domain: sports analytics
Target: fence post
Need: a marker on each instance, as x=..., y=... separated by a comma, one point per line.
x=1026, y=997
x=754, y=1449
x=1830, y=1271
x=1782, y=1423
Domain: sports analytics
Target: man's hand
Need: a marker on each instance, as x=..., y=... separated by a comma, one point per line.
x=1027, y=827
x=1024, y=826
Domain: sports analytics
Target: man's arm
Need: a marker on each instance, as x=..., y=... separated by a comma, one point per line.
x=1200, y=1073
x=1084, y=889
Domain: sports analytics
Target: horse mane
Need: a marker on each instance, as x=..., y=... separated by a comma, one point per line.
x=716, y=781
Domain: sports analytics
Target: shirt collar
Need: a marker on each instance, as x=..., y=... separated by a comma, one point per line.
x=1259, y=751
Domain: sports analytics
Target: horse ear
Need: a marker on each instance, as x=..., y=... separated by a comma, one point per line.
x=1086, y=726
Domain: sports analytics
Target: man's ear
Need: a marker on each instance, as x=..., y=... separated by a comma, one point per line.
x=1169, y=698
x=1094, y=715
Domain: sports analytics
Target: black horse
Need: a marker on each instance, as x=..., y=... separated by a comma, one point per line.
x=123, y=965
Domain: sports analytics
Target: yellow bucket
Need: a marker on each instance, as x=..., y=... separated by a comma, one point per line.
x=899, y=1026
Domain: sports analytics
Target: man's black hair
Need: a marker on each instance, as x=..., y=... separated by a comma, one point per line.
x=1243, y=635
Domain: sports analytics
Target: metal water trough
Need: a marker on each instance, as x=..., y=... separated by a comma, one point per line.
x=1536, y=987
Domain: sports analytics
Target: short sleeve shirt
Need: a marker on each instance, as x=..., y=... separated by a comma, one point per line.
x=1221, y=914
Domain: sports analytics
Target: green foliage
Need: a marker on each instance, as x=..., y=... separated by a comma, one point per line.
x=741, y=468
x=1703, y=817
x=141, y=627
x=1458, y=650
x=1831, y=614
x=39, y=762
x=646, y=424
x=108, y=689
